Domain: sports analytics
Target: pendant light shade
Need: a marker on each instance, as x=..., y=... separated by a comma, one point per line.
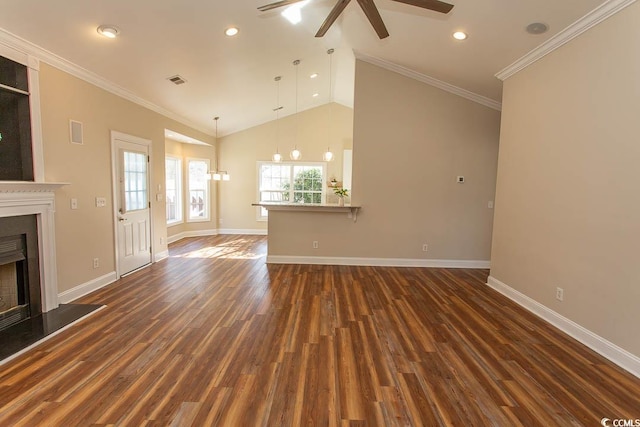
x=328, y=155
x=277, y=157
x=295, y=154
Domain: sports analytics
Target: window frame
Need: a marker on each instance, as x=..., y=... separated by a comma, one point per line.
x=179, y=190
x=260, y=211
x=207, y=192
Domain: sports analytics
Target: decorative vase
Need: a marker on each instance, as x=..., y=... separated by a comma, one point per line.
x=340, y=201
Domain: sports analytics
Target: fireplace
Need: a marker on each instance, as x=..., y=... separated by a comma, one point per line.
x=27, y=222
x=20, y=296
x=27, y=253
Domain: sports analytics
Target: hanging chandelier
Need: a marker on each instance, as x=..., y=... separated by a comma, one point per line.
x=277, y=157
x=218, y=175
x=296, y=154
x=328, y=155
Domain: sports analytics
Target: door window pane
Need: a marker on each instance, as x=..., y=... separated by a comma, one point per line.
x=135, y=181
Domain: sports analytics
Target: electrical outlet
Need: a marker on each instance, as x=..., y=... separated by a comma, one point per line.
x=315, y=244
x=96, y=262
x=490, y=204
x=162, y=240
x=74, y=203
x=101, y=202
x=560, y=294
x=425, y=247
x=460, y=179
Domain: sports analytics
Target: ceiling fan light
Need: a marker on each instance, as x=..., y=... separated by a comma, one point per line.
x=293, y=13
x=295, y=154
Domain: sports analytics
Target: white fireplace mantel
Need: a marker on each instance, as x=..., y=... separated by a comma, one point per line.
x=37, y=198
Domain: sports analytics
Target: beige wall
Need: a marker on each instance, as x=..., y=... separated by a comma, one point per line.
x=185, y=152
x=411, y=140
x=87, y=232
x=240, y=152
x=568, y=206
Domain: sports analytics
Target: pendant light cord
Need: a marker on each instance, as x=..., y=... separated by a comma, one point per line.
x=296, y=63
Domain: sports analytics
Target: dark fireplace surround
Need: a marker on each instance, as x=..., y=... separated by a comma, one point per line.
x=20, y=296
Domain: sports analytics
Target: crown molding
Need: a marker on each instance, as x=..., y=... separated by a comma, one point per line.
x=33, y=50
x=487, y=102
x=591, y=19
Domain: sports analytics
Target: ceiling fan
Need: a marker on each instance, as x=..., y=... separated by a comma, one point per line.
x=369, y=8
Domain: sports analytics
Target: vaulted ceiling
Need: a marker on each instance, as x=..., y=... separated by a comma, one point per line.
x=233, y=77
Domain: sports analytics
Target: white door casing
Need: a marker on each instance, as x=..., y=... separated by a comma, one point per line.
x=132, y=213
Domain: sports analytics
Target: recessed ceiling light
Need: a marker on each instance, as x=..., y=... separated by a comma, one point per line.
x=313, y=76
x=537, y=28
x=109, y=31
x=459, y=35
x=231, y=31
x=315, y=95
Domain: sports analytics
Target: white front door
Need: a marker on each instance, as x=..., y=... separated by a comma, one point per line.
x=131, y=184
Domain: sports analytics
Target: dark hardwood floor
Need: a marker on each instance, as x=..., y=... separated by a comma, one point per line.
x=214, y=336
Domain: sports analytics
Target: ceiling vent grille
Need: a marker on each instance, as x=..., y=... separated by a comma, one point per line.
x=177, y=79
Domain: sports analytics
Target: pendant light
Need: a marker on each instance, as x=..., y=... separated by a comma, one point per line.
x=328, y=155
x=219, y=175
x=277, y=157
x=295, y=154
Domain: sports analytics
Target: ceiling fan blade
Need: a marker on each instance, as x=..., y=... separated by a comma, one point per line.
x=335, y=12
x=277, y=4
x=435, y=5
x=370, y=9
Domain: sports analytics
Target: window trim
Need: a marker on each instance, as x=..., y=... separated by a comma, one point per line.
x=259, y=164
x=207, y=191
x=179, y=190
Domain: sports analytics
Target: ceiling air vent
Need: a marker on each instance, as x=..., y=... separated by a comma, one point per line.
x=177, y=79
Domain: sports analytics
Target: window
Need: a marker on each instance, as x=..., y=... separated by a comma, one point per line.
x=290, y=182
x=173, y=185
x=198, y=197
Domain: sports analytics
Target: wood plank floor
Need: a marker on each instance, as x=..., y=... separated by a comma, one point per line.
x=214, y=336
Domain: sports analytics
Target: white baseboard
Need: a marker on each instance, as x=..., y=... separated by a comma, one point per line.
x=617, y=355
x=198, y=233
x=378, y=262
x=159, y=256
x=86, y=288
x=249, y=231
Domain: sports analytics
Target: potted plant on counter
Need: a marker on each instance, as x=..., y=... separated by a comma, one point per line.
x=341, y=193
